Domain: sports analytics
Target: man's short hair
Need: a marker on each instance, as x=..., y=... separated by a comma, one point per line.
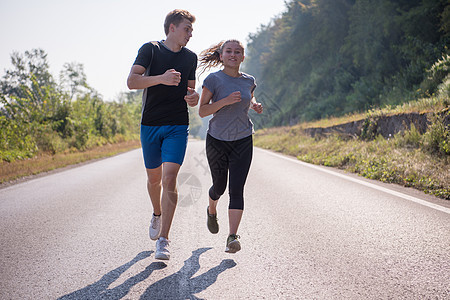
x=175, y=17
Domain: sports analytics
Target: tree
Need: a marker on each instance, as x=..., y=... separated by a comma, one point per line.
x=31, y=64
x=324, y=58
x=73, y=79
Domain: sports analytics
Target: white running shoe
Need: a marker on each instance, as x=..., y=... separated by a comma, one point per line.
x=155, y=227
x=162, y=249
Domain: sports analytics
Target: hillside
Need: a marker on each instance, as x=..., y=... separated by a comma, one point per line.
x=331, y=58
x=384, y=125
x=407, y=148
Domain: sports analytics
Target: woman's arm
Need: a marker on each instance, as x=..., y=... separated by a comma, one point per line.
x=206, y=108
x=255, y=105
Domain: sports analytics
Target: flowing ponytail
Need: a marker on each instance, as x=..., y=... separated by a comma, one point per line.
x=210, y=57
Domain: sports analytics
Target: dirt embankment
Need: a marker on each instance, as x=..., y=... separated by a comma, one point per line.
x=381, y=125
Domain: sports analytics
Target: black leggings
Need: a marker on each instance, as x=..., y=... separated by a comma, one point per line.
x=232, y=156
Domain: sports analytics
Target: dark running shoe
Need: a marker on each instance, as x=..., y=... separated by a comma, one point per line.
x=213, y=226
x=233, y=245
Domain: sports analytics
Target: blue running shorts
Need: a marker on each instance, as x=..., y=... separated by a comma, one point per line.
x=163, y=144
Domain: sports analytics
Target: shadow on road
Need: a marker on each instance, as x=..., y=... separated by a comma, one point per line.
x=99, y=289
x=179, y=285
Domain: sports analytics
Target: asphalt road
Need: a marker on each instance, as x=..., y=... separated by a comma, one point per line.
x=307, y=233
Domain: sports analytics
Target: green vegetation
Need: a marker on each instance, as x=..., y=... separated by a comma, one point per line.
x=39, y=115
x=329, y=58
x=328, y=62
x=408, y=158
x=46, y=124
x=320, y=63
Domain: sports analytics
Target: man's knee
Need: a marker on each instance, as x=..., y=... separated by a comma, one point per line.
x=169, y=175
x=153, y=177
x=154, y=180
x=169, y=181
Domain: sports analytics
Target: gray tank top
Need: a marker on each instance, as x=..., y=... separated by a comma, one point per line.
x=231, y=122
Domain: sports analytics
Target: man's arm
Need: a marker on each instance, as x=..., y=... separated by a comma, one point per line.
x=192, y=96
x=136, y=80
x=191, y=84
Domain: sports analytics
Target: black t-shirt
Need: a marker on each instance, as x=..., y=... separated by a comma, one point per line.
x=163, y=104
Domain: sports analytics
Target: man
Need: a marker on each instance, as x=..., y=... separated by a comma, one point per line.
x=166, y=70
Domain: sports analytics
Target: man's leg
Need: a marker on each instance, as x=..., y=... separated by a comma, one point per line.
x=154, y=191
x=151, y=150
x=154, y=188
x=169, y=196
x=173, y=150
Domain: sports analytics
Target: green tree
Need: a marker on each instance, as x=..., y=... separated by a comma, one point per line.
x=31, y=64
x=73, y=79
x=324, y=58
x=39, y=115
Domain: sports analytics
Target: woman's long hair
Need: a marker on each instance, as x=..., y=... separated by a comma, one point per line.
x=210, y=57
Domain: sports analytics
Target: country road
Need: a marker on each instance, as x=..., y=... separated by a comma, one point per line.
x=307, y=232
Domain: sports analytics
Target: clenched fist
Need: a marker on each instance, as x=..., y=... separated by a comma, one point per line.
x=191, y=97
x=171, y=77
x=256, y=106
x=233, y=98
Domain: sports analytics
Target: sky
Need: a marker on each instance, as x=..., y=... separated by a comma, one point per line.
x=105, y=35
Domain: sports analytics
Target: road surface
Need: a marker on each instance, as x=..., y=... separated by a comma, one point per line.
x=307, y=232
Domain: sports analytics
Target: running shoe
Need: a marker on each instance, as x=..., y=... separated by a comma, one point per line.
x=162, y=249
x=233, y=245
x=155, y=227
x=213, y=226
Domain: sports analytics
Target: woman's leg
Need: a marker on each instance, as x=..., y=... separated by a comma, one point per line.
x=234, y=219
x=240, y=161
x=218, y=164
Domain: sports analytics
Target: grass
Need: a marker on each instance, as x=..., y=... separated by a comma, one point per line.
x=408, y=158
x=19, y=169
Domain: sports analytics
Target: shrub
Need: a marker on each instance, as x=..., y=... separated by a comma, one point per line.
x=437, y=137
x=410, y=138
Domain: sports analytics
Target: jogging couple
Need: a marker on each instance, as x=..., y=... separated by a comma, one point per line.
x=166, y=71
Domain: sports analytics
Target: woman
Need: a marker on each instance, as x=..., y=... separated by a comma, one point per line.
x=227, y=95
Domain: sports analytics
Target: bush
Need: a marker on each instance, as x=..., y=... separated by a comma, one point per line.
x=16, y=142
x=50, y=141
x=437, y=74
x=410, y=138
x=437, y=137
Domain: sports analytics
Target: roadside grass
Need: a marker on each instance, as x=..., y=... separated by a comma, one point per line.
x=409, y=158
x=11, y=171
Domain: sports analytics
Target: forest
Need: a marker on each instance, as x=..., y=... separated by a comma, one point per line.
x=324, y=58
